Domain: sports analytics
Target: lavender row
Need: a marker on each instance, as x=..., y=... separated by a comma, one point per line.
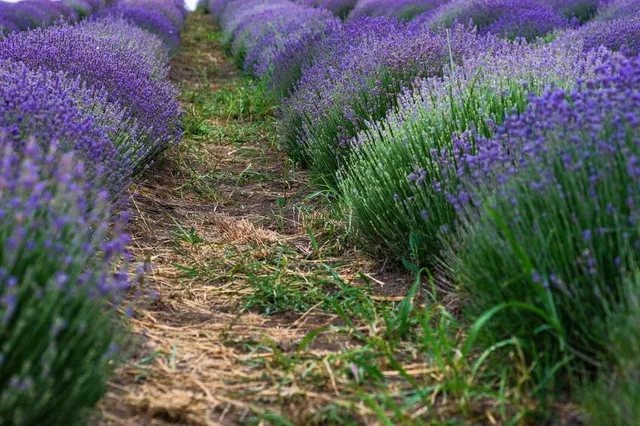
x=493, y=142
x=84, y=108
x=29, y=14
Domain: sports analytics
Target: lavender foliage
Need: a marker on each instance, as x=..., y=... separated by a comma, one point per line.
x=512, y=19
x=58, y=289
x=552, y=215
x=403, y=9
x=43, y=105
x=397, y=182
x=356, y=79
x=115, y=68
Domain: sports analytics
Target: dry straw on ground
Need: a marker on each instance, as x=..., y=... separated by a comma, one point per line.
x=199, y=357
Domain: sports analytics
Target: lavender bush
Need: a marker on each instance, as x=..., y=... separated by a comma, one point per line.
x=116, y=68
x=174, y=11
x=44, y=105
x=58, y=286
x=578, y=11
x=297, y=54
x=261, y=37
x=621, y=34
x=403, y=9
x=529, y=19
x=615, y=9
x=25, y=14
x=340, y=8
x=82, y=7
x=356, y=79
x=396, y=184
x=7, y=26
x=150, y=19
x=550, y=226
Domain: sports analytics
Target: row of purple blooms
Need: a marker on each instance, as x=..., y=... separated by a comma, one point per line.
x=84, y=108
x=534, y=204
x=29, y=14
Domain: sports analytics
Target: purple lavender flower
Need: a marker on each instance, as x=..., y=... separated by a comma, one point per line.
x=263, y=34
x=41, y=187
x=621, y=34
x=339, y=8
x=43, y=105
x=7, y=26
x=25, y=15
x=507, y=18
x=615, y=9
x=150, y=19
x=84, y=52
x=174, y=11
x=403, y=9
x=355, y=78
x=576, y=145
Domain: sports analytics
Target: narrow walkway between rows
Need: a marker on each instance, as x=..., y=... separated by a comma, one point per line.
x=238, y=328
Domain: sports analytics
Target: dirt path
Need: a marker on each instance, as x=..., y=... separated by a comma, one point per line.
x=244, y=255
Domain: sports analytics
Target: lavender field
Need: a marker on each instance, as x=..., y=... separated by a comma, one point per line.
x=320, y=212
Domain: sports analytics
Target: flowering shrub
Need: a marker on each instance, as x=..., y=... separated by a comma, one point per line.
x=579, y=11
x=58, y=327
x=614, y=9
x=44, y=105
x=550, y=226
x=396, y=184
x=82, y=7
x=403, y=9
x=83, y=108
x=621, y=34
x=28, y=14
x=113, y=67
x=506, y=18
x=150, y=19
x=7, y=26
x=355, y=80
x=261, y=41
x=339, y=8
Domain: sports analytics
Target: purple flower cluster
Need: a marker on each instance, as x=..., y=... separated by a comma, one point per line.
x=29, y=14
x=162, y=18
x=339, y=8
x=507, y=18
x=555, y=209
x=257, y=30
x=355, y=78
x=403, y=9
x=621, y=34
x=614, y=9
x=58, y=255
x=597, y=118
x=42, y=105
x=82, y=51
